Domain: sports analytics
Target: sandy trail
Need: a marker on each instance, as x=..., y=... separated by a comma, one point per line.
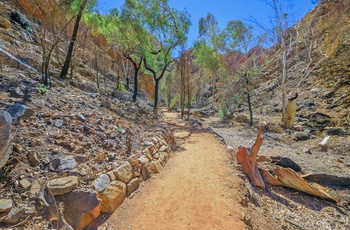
x=195, y=190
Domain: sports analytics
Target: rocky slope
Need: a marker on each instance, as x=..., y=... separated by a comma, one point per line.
x=318, y=68
x=78, y=150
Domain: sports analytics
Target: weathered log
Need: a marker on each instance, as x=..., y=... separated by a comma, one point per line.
x=248, y=161
x=291, y=179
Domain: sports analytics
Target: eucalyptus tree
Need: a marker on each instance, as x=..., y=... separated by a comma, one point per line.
x=165, y=28
x=240, y=37
x=131, y=36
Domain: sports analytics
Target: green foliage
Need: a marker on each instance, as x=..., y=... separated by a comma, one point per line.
x=175, y=101
x=222, y=111
x=206, y=57
x=119, y=129
x=42, y=89
x=239, y=35
x=210, y=32
x=120, y=87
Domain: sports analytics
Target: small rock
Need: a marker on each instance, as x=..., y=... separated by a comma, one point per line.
x=58, y=123
x=133, y=160
x=143, y=159
x=74, y=172
x=63, y=163
x=16, y=92
x=33, y=159
x=63, y=185
x=111, y=176
x=302, y=136
x=24, y=183
x=79, y=150
x=149, y=169
x=132, y=186
x=81, y=117
x=101, y=182
x=14, y=215
x=336, y=132
x=5, y=205
x=80, y=158
x=147, y=143
x=164, y=148
x=20, y=112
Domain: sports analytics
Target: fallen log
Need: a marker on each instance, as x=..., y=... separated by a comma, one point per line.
x=291, y=179
x=248, y=161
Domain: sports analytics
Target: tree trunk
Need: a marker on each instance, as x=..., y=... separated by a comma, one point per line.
x=66, y=65
x=156, y=95
x=136, y=84
x=283, y=82
x=250, y=110
x=249, y=102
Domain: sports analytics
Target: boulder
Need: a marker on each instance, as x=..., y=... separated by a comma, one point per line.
x=5, y=205
x=124, y=172
x=101, y=182
x=113, y=196
x=62, y=185
x=20, y=112
x=5, y=137
x=132, y=186
x=149, y=169
x=81, y=207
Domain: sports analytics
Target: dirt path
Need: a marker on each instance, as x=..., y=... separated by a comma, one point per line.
x=197, y=189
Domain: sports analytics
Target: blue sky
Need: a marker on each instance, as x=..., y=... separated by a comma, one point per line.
x=223, y=10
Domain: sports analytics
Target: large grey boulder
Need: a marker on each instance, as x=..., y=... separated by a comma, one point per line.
x=81, y=206
x=20, y=112
x=5, y=137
